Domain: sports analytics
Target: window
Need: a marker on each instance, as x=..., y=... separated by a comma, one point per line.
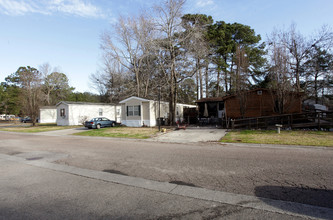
x=136, y=111
x=130, y=110
x=133, y=110
x=100, y=111
x=62, y=112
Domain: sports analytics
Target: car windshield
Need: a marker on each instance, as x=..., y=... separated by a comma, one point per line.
x=100, y=119
x=96, y=119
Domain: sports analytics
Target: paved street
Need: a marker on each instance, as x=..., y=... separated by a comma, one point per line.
x=43, y=170
x=32, y=192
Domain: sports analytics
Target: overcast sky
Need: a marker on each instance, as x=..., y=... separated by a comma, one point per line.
x=66, y=33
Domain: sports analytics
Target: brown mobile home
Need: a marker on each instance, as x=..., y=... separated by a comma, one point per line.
x=253, y=103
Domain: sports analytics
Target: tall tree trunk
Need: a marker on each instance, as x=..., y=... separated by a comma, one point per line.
x=197, y=78
x=137, y=84
x=206, y=79
x=172, y=90
x=218, y=83
x=171, y=98
x=146, y=88
x=226, y=81
x=316, y=86
x=298, y=87
x=48, y=97
x=226, y=77
x=175, y=101
x=231, y=86
x=201, y=86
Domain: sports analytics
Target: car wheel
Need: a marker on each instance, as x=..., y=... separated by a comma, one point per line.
x=98, y=126
x=113, y=124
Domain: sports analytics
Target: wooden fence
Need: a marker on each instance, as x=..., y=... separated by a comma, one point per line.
x=319, y=120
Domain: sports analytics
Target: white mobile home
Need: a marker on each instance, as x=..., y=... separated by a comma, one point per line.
x=48, y=114
x=137, y=112
x=7, y=117
x=75, y=113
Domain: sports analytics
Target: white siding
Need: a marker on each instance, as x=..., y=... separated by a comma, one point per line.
x=152, y=113
x=62, y=120
x=132, y=123
x=81, y=113
x=151, y=116
x=118, y=113
x=76, y=114
x=48, y=115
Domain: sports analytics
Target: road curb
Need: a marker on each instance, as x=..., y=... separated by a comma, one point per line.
x=270, y=205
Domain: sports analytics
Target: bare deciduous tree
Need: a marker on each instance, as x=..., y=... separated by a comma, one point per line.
x=299, y=47
x=280, y=77
x=55, y=84
x=113, y=83
x=130, y=45
x=174, y=61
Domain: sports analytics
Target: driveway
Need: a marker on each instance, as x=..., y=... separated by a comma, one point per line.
x=62, y=132
x=191, y=135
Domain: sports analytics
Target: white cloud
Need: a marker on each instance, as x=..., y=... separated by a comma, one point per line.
x=203, y=3
x=73, y=7
x=12, y=7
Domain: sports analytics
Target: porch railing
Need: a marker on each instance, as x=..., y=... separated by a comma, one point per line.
x=317, y=119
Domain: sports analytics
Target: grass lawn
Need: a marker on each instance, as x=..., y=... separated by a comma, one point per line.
x=308, y=138
x=121, y=132
x=39, y=128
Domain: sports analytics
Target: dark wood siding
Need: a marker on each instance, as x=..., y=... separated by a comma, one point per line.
x=261, y=103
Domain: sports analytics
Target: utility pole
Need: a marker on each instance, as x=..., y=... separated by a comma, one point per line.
x=159, y=108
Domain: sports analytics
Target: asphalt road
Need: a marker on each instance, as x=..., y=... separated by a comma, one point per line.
x=297, y=174
x=31, y=192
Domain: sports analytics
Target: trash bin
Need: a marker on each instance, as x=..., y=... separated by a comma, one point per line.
x=162, y=120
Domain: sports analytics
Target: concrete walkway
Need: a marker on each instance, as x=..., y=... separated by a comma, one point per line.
x=191, y=135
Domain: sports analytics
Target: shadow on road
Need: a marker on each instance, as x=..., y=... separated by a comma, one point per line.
x=303, y=195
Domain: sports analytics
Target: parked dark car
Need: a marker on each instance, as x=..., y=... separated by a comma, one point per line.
x=99, y=122
x=26, y=120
